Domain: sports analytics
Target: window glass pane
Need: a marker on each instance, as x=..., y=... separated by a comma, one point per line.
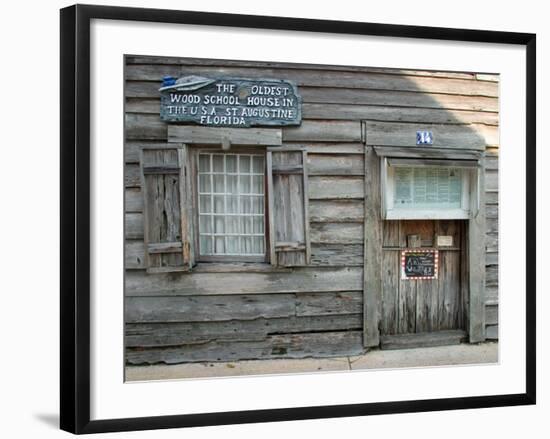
x=427, y=188
x=219, y=224
x=455, y=187
x=246, y=205
x=256, y=204
x=248, y=248
x=258, y=164
x=219, y=245
x=232, y=183
x=231, y=204
x=403, y=186
x=205, y=204
x=230, y=163
x=234, y=225
x=204, y=183
x=431, y=186
x=217, y=162
x=219, y=183
x=233, y=246
x=205, y=223
x=258, y=224
x=219, y=204
x=206, y=245
x=204, y=163
x=257, y=244
x=244, y=164
x=257, y=184
x=244, y=184
x=247, y=225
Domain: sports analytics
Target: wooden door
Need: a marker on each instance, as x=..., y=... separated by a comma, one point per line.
x=419, y=306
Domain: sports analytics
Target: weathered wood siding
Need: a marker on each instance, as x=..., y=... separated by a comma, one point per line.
x=236, y=311
x=491, y=269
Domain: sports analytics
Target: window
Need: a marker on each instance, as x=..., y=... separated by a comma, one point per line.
x=246, y=205
x=429, y=189
x=231, y=205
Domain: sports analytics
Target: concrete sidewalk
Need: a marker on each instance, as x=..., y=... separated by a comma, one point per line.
x=374, y=359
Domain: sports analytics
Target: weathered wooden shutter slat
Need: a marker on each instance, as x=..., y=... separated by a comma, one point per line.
x=167, y=169
x=166, y=231
x=288, y=169
x=165, y=247
x=288, y=207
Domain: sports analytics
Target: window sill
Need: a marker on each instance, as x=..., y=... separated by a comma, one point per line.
x=423, y=214
x=238, y=267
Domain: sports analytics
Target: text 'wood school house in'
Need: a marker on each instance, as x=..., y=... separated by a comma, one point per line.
x=288, y=210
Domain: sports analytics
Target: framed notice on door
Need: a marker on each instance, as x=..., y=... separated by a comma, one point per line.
x=419, y=264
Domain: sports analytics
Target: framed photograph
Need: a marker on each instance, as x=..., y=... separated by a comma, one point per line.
x=304, y=218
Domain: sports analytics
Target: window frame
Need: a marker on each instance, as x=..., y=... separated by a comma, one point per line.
x=470, y=189
x=194, y=161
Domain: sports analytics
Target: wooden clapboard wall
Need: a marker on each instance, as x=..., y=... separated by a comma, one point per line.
x=491, y=268
x=236, y=312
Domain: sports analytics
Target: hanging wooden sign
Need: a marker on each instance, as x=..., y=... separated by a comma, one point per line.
x=235, y=102
x=419, y=264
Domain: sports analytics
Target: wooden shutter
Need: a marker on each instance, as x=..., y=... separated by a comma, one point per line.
x=288, y=207
x=166, y=204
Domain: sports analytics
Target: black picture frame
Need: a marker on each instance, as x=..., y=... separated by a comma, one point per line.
x=75, y=217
